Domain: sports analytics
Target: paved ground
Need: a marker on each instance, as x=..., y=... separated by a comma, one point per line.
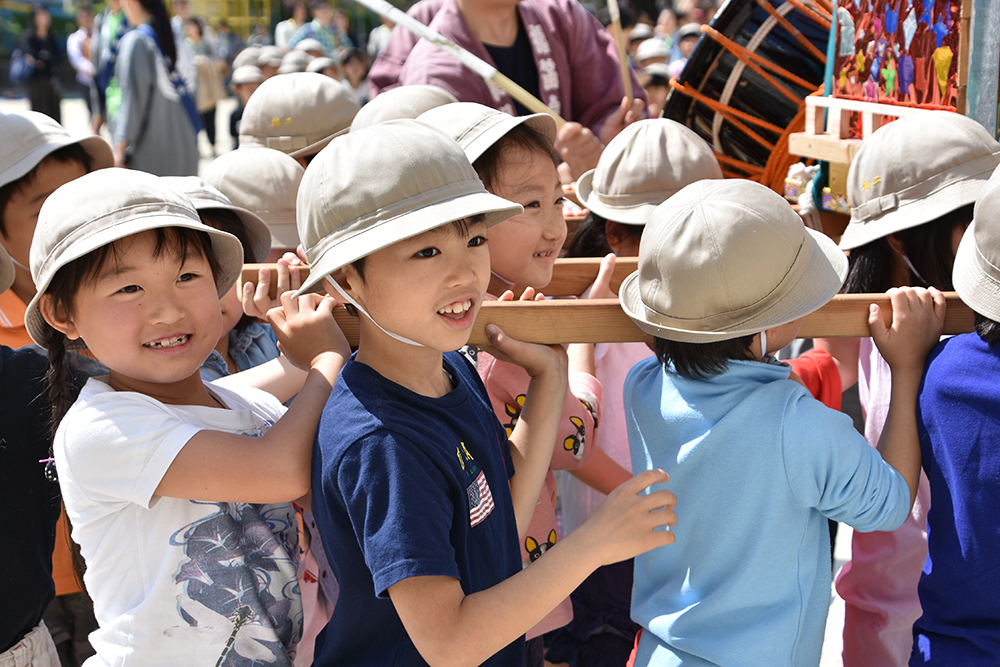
x=76, y=120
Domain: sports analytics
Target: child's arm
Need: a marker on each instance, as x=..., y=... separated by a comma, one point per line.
x=533, y=438
x=845, y=355
x=219, y=466
x=600, y=472
x=435, y=610
x=917, y=323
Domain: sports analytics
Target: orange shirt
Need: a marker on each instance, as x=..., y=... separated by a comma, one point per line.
x=14, y=334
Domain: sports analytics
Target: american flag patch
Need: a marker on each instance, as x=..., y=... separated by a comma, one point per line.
x=480, y=500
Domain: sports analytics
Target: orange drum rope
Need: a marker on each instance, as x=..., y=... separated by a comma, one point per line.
x=826, y=6
x=780, y=160
x=747, y=56
x=809, y=11
x=792, y=30
x=730, y=114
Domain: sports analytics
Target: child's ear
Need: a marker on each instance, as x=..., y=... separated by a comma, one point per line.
x=57, y=318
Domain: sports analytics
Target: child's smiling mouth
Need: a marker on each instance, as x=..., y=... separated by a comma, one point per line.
x=457, y=310
x=172, y=341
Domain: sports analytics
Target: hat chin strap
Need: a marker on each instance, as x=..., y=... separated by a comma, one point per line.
x=17, y=263
x=347, y=297
x=763, y=345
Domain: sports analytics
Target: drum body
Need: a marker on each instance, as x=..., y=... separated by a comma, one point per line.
x=743, y=88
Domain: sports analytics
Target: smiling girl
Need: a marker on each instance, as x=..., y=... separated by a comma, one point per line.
x=178, y=491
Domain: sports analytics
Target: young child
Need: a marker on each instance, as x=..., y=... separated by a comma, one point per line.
x=354, y=63
x=244, y=82
x=647, y=163
x=957, y=422
x=178, y=491
x=726, y=273
x=912, y=189
x=414, y=478
x=39, y=155
x=514, y=159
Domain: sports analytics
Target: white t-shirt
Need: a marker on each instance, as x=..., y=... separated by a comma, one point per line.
x=175, y=582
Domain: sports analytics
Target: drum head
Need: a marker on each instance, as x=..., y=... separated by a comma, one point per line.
x=720, y=75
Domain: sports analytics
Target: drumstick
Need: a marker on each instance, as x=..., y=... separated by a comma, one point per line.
x=477, y=65
x=604, y=321
x=616, y=24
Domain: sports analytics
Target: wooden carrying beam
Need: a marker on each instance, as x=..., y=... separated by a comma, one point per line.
x=570, y=277
x=603, y=320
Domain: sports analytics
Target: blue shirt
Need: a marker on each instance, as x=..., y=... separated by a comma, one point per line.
x=958, y=419
x=405, y=485
x=251, y=347
x=757, y=465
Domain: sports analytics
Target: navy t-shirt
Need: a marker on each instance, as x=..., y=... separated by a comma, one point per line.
x=958, y=420
x=403, y=486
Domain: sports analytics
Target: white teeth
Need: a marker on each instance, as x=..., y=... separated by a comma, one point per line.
x=457, y=307
x=169, y=342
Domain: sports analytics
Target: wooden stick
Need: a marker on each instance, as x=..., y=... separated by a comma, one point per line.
x=616, y=24
x=603, y=320
x=570, y=277
x=476, y=64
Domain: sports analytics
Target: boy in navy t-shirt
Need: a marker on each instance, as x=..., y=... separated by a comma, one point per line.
x=418, y=495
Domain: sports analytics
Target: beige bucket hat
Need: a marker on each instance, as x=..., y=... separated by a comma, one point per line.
x=205, y=197
x=913, y=171
x=247, y=74
x=263, y=181
x=381, y=185
x=297, y=113
x=28, y=137
x=401, y=102
x=976, y=274
x=646, y=164
x=477, y=127
x=103, y=207
x=724, y=259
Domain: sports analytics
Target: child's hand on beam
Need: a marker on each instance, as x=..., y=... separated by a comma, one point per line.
x=257, y=300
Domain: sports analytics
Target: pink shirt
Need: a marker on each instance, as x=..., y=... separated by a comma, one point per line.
x=507, y=386
x=879, y=584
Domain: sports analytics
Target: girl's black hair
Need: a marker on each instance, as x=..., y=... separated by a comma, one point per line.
x=180, y=241
x=591, y=237
x=702, y=360
x=160, y=22
x=228, y=221
x=988, y=330
x=196, y=23
x=488, y=164
x=928, y=247
x=71, y=153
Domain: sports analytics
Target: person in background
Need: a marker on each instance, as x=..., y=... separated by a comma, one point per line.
x=42, y=52
x=322, y=28
x=210, y=71
x=260, y=36
x=227, y=42
x=284, y=31
x=553, y=48
x=378, y=38
x=109, y=27
x=687, y=38
x=655, y=81
x=326, y=67
x=354, y=62
x=652, y=51
x=245, y=80
x=78, y=46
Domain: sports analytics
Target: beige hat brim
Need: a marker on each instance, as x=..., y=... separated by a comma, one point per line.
x=407, y=225
x=975, y=279
x=542, y=123
x=96, y=147
x=822, y=278
x=6, y=271
x=227, y=249
x=911, y=213
x=633, y=214
x=257, y=229
x=312, y=149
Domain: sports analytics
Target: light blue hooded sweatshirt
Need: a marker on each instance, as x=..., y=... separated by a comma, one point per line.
x=757, y=465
